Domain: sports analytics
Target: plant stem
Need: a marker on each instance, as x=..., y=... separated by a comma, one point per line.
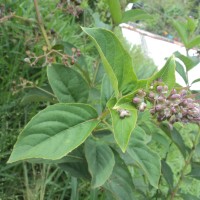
x=41, y=25
x=187, y=163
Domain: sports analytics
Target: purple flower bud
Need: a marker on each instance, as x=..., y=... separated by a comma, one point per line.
x=175, y=96
x=158, y=107
x=161, y=99
x=159, y=88
x=183, y=92
x=141, y=93
x=173, y=110
x=173, y=91
x=151, y=95
x=123, y=113
x=142, y=106
x=136, y=100
x=190, y=105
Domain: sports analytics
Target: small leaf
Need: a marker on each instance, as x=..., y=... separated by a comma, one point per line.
x=134, y=15
x=100, y=160
x=195, y=81
x=181, y=71
x=146, y=159
x=191, y=25
x=117, y=62
x=194, y=42
x=54, y=132
x=168, y=174
x=120, y=184
x=67, y=84
x=167, y=73
x=122, y=126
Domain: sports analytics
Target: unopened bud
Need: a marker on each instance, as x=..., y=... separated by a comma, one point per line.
x=142, y=106
x=159, y=88
x=158, y=107
x=136, y=100
x=27, y=60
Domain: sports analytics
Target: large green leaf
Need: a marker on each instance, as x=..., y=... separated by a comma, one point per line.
x=167, y=73
x=116, y=60
x=100, y=160
x=145, y=158
x=136, y=14
x=120, y=184
x=55, y=131
x=122, y=127
x=67, y=84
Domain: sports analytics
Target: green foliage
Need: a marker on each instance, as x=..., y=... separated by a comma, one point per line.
x=94, y=143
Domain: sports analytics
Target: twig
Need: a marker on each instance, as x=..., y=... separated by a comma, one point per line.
x=41, y=25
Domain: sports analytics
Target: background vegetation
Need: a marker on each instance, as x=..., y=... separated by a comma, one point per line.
x=21, y=84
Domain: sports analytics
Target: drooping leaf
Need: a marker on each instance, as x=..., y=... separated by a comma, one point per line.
x=122, y=126
x=181, y=71
x=106, y=91
x=116, y=60
x=134, y=15
x=67, y=84
x=146, y=159
x=55, y=131
x=100, y=161
x=175, y=136
x=195, y=172
x=167, y=173
x=189, y=197
x=120, y=185
x=75, y=164
x=167, y=73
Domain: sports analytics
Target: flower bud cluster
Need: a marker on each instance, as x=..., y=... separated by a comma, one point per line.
x=139, y=100
x=174, y=107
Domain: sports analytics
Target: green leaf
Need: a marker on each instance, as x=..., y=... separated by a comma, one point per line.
x=115, y=10
x=134, y=15
x=55, y=131
x=67, y=84
x=195, y=172
x=122, y=127
x=75, y=164
x=37, y=94
x=175, y=136
x=167, y=73
x=116, y=60
x=146, y=159
x=191, y=25
x=120, y=184
x=100, y=160
x=167, y=173
x=181, y=28
x=181, y=71
x=194, y=42
x=106, y=91
x=189, y=197
x=188, y=61
x=195, y=81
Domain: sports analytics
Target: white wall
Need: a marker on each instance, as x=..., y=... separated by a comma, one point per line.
x=159, y=49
